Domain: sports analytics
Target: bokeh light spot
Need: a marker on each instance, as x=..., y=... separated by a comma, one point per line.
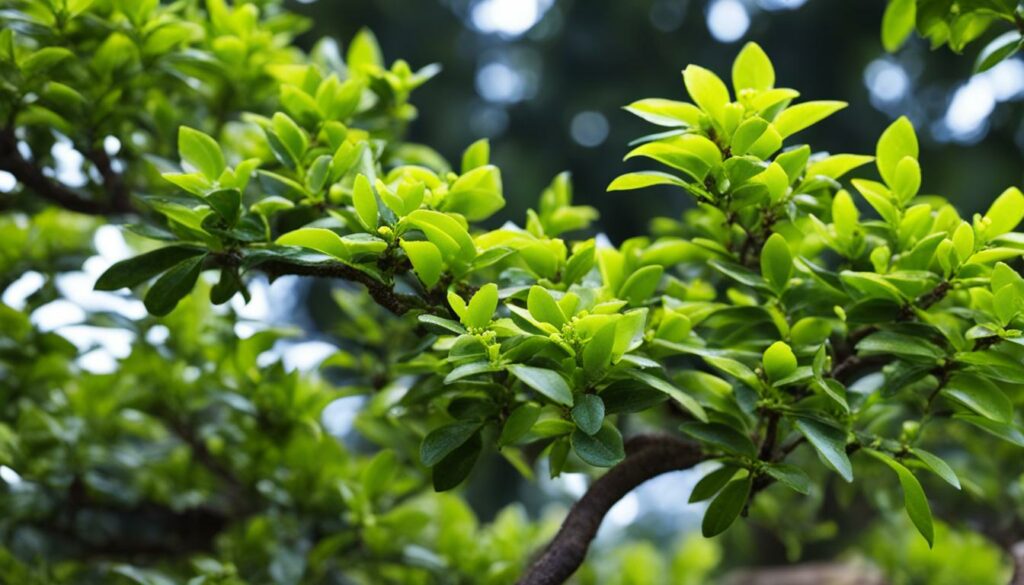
x=728, y=20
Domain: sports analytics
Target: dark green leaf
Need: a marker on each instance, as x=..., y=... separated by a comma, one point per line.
x=170, y=288
x=712, y=483
x=830, y=442
x=726, y=507
x=548, y=382
x=791, y=476
x=940, y=467
x=519, y=423
x=914, y=499
x=456, y=466
x=443, y=440
x=588, y=413
x=685, y=400
x=723, y=437
x=133, y=271
x=980, y=395
x=602, y=449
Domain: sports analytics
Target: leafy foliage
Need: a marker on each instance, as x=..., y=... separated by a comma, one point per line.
x=956, y=23
x=787, y=327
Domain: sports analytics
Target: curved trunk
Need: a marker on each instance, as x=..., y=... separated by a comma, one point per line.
x=647, y=457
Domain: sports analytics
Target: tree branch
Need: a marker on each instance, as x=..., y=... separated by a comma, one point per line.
x=113, y=182
x=647, y=456
x=53, y=191
x=383, y=294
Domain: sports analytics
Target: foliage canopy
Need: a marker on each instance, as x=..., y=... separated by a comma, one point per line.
x=793, y=327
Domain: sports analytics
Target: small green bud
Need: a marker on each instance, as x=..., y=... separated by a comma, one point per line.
x=778, y=361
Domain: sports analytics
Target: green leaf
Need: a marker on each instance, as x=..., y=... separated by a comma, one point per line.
x=897, y=23
x=775, y=181
x=482, y=306
x=379, y=472
x=1008, y=432
x=291, y=135
x=300, y=104
x=790, y=475
x=476, y=194
x=226, y=287
x=426, y=260
x=980, y=395
x=712, y=483
x=937, y=465
x=43, y=60
x=776, y=262
x=1005, y=213
x=735, y=369
x=518, y=423
x=364, y=52
x=443, y=440
x=707, y=91
x=723, y=437
x=999, y=49
x=457, y=465
x=640, y=285
x=905, y=346
x=914, y=499
x=77, y=7
x=133, y=271
x=837, y=165
x=597, y=354
x=752, y=69
x=200, y=152
x=898, y=141
x=602, y=449
x=795, y=118
x=643, y=179
x=747, y=134
x=778, y=361
x=588, y=413
x=227, y=203
x=365, y=202
x=445, y=232
x=907, y=179
x=830, y=442
x=163, y=296
x=726, y=507
x=548, y=382
x=441, y=324
x=692, y=154
x=794, y=162
x=542, y=307
x=664, y=112
x=477, y=155
x=871, y=285
x=685, y=400
x=320, y=239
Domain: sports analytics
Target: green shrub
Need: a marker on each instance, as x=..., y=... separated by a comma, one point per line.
x=782, y=328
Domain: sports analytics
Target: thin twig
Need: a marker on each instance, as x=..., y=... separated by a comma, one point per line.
x=53, y=191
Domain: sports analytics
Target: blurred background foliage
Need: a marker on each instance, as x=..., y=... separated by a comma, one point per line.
x=546, y=80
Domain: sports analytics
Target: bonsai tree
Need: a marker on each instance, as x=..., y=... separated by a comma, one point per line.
x=791, y=335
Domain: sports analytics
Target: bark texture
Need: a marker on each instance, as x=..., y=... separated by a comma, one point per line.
x=647, y=457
